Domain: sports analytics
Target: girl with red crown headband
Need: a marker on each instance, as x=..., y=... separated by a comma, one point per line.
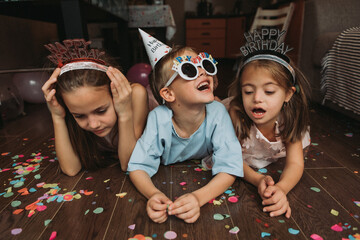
x=96, y=112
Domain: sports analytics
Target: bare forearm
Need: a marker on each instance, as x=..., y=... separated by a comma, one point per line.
x=294, y=167
x=251, y=176
x=143, y=183
x=291, y=176
x=127, y=140
x=214, y=188
x=68, y=160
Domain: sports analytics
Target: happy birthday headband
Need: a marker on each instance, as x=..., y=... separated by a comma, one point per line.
x=75, y=54
x=265, y=45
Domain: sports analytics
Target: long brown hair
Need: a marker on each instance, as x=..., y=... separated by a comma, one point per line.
x=84, y=143
x=294, y=114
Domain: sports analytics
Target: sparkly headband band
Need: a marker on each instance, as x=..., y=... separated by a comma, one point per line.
x=272, y=58
x=83, y=65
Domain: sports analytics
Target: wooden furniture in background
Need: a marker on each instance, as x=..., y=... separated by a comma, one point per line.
x=222, y=37
x=207, y=35
x=235, y=28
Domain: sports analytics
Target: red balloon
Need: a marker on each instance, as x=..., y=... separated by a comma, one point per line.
x=139, y=73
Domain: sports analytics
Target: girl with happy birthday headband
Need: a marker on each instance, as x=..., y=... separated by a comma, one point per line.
x=269, y=111
x=96, y=113
x=188, y=125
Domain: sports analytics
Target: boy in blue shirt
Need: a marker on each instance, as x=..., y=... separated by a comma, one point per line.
x=190, y=125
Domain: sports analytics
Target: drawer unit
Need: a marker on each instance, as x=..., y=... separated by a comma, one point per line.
x=207, y=35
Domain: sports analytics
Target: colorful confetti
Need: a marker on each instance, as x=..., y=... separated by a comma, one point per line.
x=16, y=231
x=334, y=212
x=315, y=189
x=121, y=195
x=170, y=235
x=132, y=226
x=265, y=234
x=234, y=230
x=336, y=228
x=293, y=231
x=98, y=210
x=316, y=237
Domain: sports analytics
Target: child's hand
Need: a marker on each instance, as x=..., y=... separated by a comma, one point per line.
x=186, y=207
x=121, y=92
x=277, y=202
x=49, y=93
x=157, y=206
x=265, y=182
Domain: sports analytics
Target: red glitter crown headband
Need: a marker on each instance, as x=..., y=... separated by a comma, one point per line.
x=75, y=54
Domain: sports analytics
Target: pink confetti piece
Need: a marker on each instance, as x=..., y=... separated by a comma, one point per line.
x=234, y=230
x=53, y=236
x=336, y=228
x=89, y=178
x=132, y=226
x=183, y=183
x=349, y=134
x=233, y=199
x=316, y=237
x=16, y=231
x=41, y=208
x=170, y=235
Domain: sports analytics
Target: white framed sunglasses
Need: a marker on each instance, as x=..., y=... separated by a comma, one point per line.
x=187, y=67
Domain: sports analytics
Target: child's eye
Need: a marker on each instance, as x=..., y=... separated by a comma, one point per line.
x=269, y=92
x=248, y=92
x=101, y=111
x=78, y=116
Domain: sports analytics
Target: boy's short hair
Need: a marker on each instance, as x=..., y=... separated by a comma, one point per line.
x=162, y=71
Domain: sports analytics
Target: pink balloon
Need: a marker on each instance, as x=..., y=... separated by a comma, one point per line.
x=29, y=85
x=139, y=73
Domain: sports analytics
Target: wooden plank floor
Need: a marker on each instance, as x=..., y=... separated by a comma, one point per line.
x=36, y=200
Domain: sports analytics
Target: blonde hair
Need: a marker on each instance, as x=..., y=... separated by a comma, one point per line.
x=294, y=114
x=162, y=71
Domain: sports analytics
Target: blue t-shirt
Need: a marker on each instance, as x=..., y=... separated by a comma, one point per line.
x=161, y=144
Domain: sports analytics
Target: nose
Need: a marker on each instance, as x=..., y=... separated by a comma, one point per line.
x=93, y=122
x=202, y=71
x=258, y=97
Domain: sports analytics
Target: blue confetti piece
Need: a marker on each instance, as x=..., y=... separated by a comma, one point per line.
x=262, y=170
x=265, y=234
x=293, y=231
x=32, y=190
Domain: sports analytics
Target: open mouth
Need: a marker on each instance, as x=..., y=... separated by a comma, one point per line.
x=203, y=86
x=258, y=112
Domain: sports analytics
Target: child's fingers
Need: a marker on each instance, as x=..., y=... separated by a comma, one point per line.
x=187, y=214
x=193, y=219
x=120, y=81
x=288, y=212
x=157, y=206
x=280, y=211
x=269, y=191
x=269, y=181
x=50, y=96
x=157, y=216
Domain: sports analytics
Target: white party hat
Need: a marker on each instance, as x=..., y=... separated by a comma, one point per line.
x=154, y=48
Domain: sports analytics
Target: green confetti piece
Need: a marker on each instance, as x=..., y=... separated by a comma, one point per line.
x=8, y=194
x=86, y=212
x=18, y=184
x=15, y=203
x=37, y=176
x=218, y=216
x=281, y=221
x=98, y=210
x=46, y=222
x=315, y=189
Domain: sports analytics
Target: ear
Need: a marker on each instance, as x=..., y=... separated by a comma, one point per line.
x=167, y=94
x=289, y=94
